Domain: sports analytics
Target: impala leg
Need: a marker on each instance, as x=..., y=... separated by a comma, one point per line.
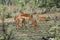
x=34, y=27
x=23, y=26
x=17, y=26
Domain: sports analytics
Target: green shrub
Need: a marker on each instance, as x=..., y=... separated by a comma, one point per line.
x=58, y=9
x=8, y=15
x=54, y=31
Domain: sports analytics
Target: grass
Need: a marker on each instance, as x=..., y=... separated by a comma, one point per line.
x=28, y=34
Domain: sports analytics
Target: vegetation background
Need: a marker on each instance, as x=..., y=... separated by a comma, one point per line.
x=10, y=8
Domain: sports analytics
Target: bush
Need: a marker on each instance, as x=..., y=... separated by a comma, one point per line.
x=54, y=31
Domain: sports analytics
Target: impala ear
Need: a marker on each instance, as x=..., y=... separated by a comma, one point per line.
x=20, y=11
